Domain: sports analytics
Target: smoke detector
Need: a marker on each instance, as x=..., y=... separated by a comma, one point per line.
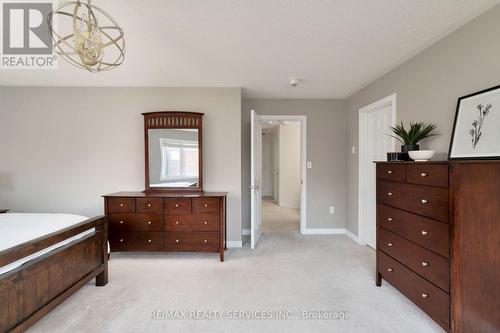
x=294, y=81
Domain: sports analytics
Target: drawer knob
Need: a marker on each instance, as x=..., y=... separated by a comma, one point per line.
x=121, y=240
x=149, y=222
x=389, y=193
x=424, y=295
x=424, y=233
x=423, y=174
x=121, y=205
x=425, y=264
x=149, y=240
x=389, y=244
x=177, y=241
x=389, y=219
x=205, y=241
x=205, y=222
x=206, y=205
x=176, y=222
x=149, y=205
x=176, y=205
x=424, y=201
x=121, y=222
x=389, y=269
x=389, y=172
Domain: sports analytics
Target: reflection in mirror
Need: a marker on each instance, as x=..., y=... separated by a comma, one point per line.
x=173, y=157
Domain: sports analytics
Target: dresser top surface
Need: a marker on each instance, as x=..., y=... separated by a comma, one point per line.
x=166, y=194
x=411, y=162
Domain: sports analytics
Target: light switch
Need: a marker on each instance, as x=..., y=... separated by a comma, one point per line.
x=332, y=210
x=309, y=164
x=353, y=150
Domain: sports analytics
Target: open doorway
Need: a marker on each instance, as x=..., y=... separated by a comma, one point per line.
x=278, y=168
x=281, y=176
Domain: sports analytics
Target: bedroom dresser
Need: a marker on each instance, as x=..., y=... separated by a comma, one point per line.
x=438, y=234
x=167, y=221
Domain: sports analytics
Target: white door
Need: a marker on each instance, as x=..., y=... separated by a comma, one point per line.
x=376, y=144
x=256, y=180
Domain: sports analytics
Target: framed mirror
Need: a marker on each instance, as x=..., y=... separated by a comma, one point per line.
x=173, y=149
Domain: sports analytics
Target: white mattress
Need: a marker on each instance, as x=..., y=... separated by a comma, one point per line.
x=18, y=228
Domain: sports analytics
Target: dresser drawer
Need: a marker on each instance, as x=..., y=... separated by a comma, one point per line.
x=177, y=205
x=427, y=174
x=121, y=205
x=149, y=205
x=206, y=205
x=135, y=222
x=194, y=222
x=392, y=171
x=429, y=233
x=136, y=241
x=430, y=265
x=192, y=241
x=431, y=299
x=423, y=200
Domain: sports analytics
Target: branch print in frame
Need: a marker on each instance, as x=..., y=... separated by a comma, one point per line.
x=476, y=131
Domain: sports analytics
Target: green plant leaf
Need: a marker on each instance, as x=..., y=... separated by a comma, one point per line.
x=416, y=133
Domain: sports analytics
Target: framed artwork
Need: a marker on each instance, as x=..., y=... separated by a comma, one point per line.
x=476, y=130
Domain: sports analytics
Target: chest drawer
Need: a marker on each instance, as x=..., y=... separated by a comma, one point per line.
x=428, y=174
x=206, y=205
x=149, y=205
x=394, y=172
x=194, y=222
x=177, y=205
x=430, y=265
x=135, y=222
x=429, y=233
x=431, y=299
x=423, y=200
x=124, y=205
x=192, y=241
x=136, y=241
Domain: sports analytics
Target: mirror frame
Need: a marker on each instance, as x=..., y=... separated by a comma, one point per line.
x=173, y=119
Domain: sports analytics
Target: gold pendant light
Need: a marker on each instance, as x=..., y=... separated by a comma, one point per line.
x=93, y=40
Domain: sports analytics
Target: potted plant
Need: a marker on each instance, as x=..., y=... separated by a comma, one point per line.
x=411, y=137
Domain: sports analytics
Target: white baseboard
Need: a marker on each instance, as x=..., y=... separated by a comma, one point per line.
x=324, y=231
x=245, y=232
x=352, y=236
x=234, y=244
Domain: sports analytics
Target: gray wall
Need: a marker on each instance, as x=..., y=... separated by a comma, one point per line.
x=427, y=88
x=62, y=148
x=326, y=148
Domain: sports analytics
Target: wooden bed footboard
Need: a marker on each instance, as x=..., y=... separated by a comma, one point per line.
x=30, y=291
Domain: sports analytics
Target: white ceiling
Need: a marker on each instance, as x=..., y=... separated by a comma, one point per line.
x=335, y=47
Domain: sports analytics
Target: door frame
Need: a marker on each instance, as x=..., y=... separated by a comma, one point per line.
x=303, y=162
x=362, y=170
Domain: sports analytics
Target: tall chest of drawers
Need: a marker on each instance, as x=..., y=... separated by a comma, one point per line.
x=413, y=233
x=167, y=221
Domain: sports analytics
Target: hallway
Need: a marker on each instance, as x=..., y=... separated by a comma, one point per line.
x=277, y=219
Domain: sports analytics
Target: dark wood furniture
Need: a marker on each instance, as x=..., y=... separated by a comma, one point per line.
x=3, y=211
x=438, y=239
x=413, y=234
x=476, y=247
x=167, y=221
x=30, y=291
x=175, y=218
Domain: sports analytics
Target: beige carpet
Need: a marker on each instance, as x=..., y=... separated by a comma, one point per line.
x=288, y=272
